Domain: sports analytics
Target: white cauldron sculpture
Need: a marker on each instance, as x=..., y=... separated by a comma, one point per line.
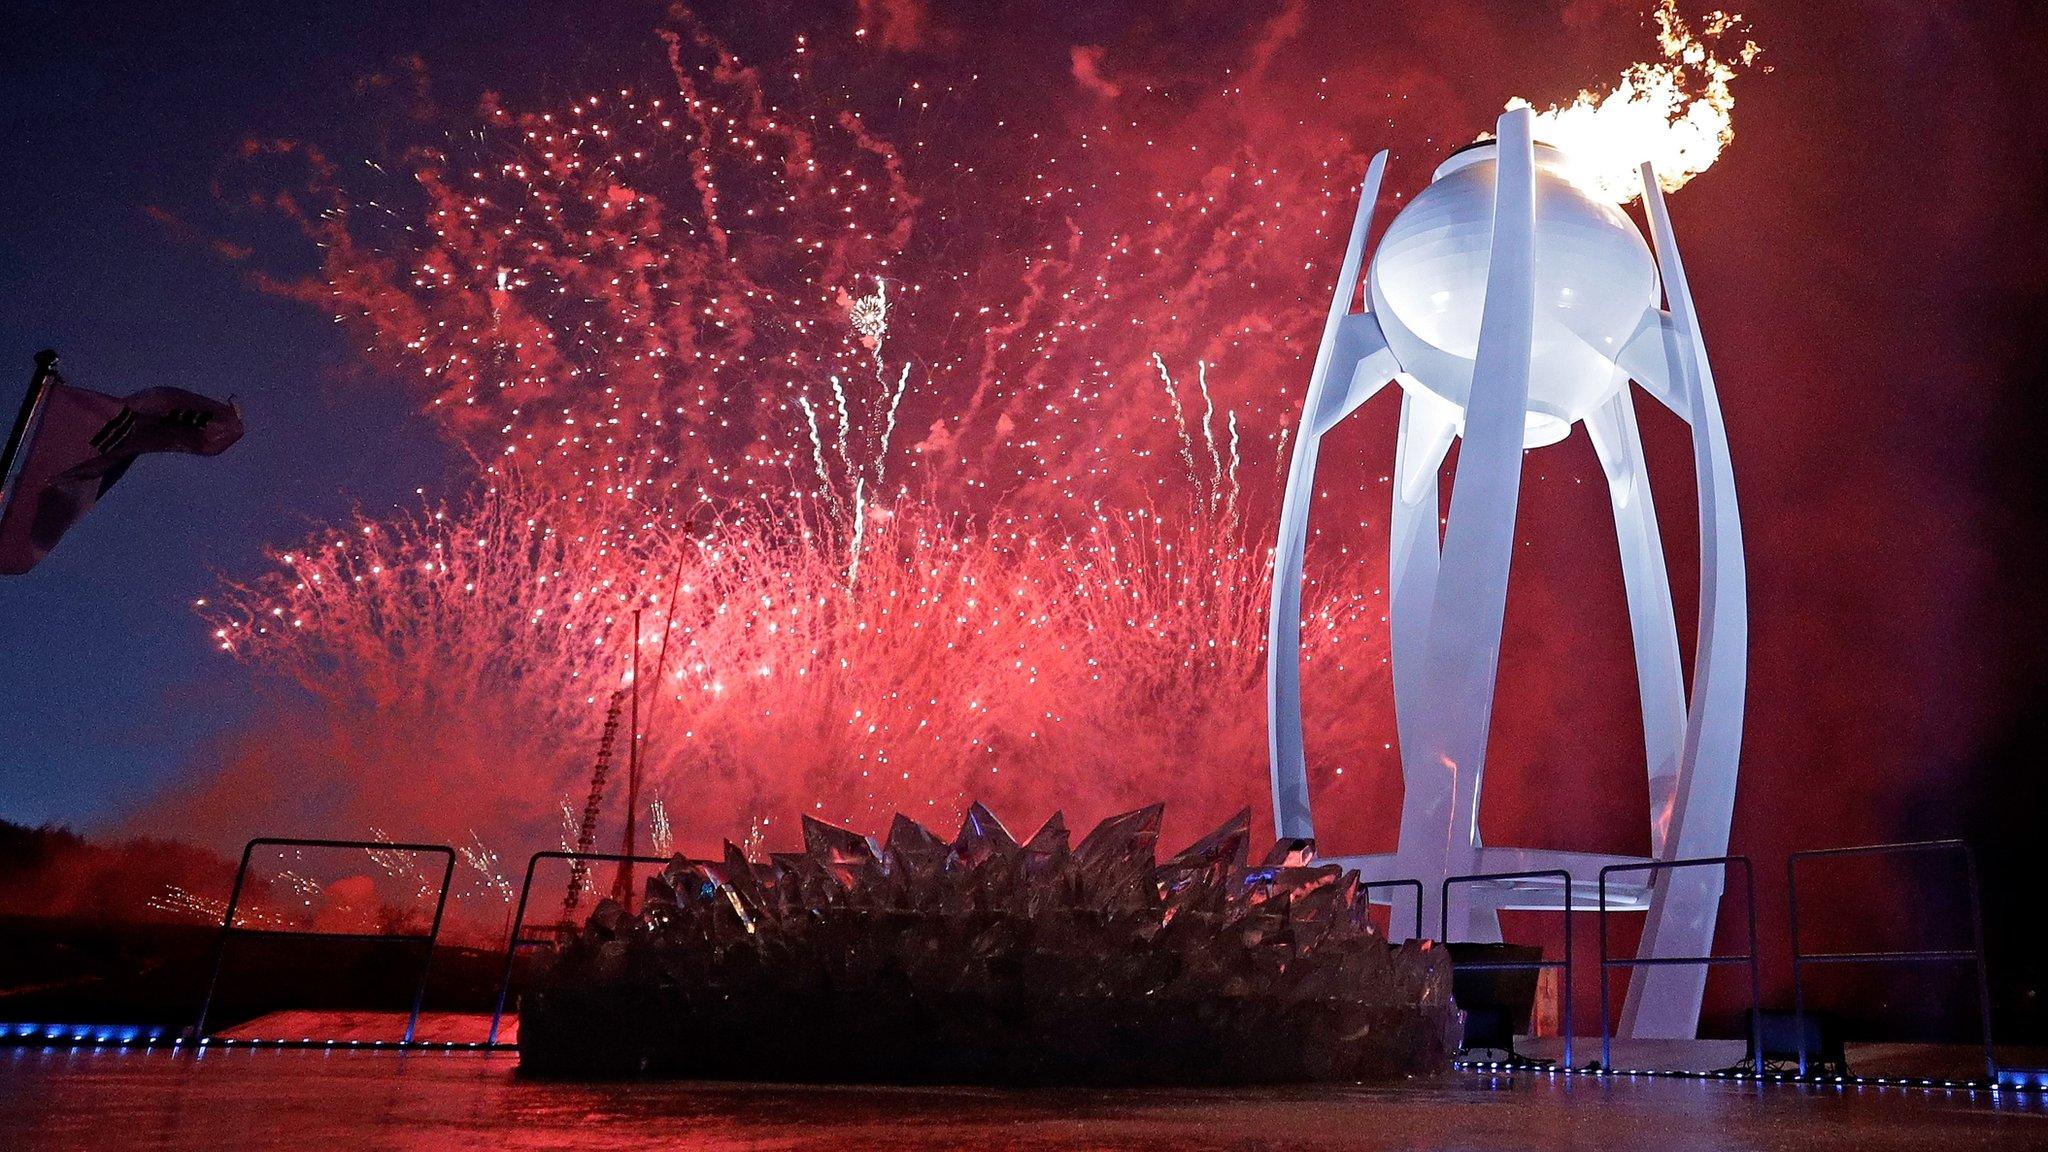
x=1510, y=306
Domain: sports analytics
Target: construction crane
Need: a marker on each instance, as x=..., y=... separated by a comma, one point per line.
x=586, y=832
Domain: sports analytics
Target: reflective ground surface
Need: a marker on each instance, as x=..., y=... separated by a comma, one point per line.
x=312, y=1101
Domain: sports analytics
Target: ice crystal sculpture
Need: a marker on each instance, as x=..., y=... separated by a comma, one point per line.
x=986, y=960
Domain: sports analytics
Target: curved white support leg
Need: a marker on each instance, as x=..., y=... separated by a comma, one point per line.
x=1665, y=1001
x=1338, y=361
x=1660, y=682
x=1456, y=695
x=1414, y=551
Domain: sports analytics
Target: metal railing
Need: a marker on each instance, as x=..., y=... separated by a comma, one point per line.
x=228, y=927
x=1800, y=958
x=1443, y=933
x=1367, y=888
x=1974, y=954
x=1749, y=956
x=514, y=941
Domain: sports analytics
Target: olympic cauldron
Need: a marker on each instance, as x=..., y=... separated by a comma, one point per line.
x=986, y=960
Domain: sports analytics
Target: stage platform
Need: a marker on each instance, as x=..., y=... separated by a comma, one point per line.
x=1901, y=1063
x=99, y=1100
x=454, y=1028
x=1897, y=1062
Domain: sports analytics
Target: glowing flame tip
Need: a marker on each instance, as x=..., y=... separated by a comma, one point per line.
x=1676, y=113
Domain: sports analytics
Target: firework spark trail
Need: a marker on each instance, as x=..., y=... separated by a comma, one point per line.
x=180, y=901
x=826, y=488
x=849, y=493
x=660, y=834
x=1180, y=419
x=400, y=865
x=844, y=426
x=868, y=316
x=1220, y=493
x=889, y=425
x=1230, y=479
x=860, y=531
x=483, y=860
x=1209, y=431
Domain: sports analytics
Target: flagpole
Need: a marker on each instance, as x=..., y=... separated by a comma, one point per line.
x=38, y=386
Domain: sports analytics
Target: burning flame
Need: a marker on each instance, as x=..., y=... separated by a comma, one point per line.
x=1677, y=112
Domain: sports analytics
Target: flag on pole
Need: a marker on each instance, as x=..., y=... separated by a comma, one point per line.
x=74, y=444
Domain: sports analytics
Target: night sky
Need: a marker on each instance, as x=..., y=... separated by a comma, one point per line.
x=1868, y=259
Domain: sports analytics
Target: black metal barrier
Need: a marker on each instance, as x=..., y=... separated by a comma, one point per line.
x=1974, y=954
x=1443, y=934
x=1749, y=957
x=1800, y=958
x=228, y=927
x=514, y=942
x=1415, y=884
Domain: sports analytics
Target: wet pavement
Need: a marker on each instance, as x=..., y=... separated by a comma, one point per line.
x=316, y=1101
